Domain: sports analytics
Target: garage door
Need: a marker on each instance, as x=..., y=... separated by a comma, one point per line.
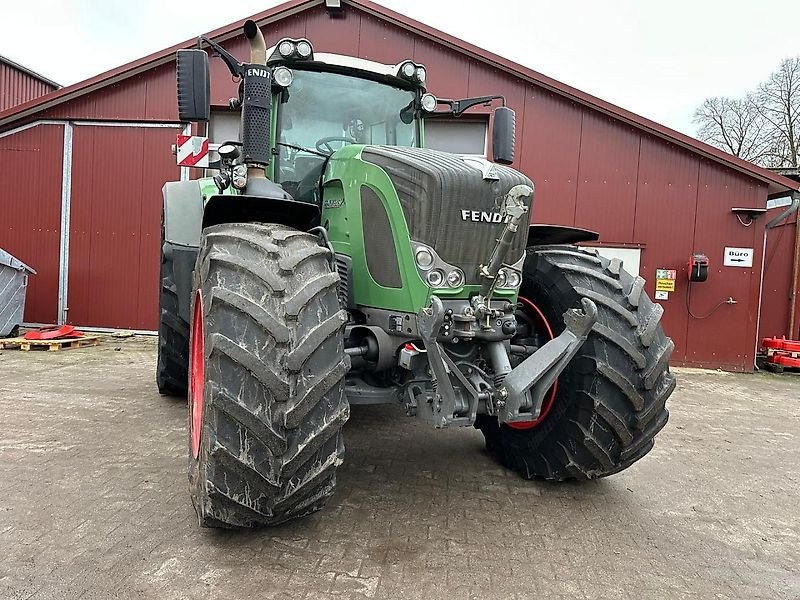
x=117, y=176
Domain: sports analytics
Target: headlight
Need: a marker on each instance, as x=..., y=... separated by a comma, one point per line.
x=435, y=278
x=286, y=49
x=407, y=70
x=283, y=76
x=428, y=102
x=513, y=279
x=420, y=74
x=239, y=177
x=501, y=278
x=424, y=259
x=455, y=278
x=304, y=49
x=228, y=151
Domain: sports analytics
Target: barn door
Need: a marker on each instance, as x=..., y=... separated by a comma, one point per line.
x=117, y=176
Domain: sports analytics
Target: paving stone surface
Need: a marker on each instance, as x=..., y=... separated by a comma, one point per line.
x=95, y=504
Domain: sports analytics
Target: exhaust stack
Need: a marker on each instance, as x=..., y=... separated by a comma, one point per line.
x=258, y=47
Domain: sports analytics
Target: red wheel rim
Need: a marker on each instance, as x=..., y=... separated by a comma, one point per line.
x=533, y=310
x=197, y=372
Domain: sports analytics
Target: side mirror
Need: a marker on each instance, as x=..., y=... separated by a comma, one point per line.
x=503, y=135
x=194, y=87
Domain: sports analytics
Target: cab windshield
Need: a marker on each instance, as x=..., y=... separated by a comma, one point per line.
x=326, y=111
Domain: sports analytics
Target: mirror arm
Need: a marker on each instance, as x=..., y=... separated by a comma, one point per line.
x=457, y=107
x=234, y=66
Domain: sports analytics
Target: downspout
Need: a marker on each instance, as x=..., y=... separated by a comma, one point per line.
x=771, y=225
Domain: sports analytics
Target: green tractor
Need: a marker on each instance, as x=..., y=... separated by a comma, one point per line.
x=333, y=260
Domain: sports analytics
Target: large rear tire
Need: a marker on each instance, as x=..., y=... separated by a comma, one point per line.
x=172, y=364
x=610, y=400
x=267, y=369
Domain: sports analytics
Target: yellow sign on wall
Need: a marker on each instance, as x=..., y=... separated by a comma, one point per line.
x=665, y=285
x=665, y=280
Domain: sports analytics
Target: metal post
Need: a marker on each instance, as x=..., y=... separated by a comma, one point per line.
x=187, y=130
x=66, y=193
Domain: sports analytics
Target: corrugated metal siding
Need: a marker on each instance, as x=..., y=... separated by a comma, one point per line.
x=727, y=337
x=550, y=151
x=114, y=235
x=665, y=213
x=607, y=178
x=30, y=212
x=17, y=87
x=777, y=297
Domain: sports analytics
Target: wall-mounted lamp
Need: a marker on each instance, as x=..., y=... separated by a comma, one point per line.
x=746, y=216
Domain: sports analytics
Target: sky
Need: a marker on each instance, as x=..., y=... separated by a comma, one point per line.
x=657, y=59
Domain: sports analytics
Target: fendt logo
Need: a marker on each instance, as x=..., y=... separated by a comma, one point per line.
x=251, y=72
x=481, y=216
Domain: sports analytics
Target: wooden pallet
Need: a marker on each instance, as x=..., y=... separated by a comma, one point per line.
x=19, y=343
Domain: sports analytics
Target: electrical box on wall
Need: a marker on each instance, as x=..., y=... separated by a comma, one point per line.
x=698, y=267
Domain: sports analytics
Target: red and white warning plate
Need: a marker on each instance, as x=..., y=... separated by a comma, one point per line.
x=192, y=151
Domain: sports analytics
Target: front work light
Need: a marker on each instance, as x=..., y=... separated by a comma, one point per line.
x=407, y=70
x=304, y=49
x=435, y=278
x=283, y=76
x=286, y=49
x=428, y=102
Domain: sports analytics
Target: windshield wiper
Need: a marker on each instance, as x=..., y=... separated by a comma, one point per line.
x=300, y=148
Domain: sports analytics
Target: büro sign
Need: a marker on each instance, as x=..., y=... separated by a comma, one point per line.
x=738, y=257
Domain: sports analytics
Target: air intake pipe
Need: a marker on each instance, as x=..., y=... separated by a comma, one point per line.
x=256, y=104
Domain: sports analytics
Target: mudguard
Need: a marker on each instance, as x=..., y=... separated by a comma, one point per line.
x=183, y=212
x=259, y=209
x=544, y=235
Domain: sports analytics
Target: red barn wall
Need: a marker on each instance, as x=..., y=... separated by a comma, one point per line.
x=590, y=170
x=17, y=87
x=30, y=212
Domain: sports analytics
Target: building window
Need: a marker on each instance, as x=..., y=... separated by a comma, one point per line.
x=457, y=136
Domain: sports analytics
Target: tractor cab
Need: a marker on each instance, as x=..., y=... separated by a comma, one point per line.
x=327, y=101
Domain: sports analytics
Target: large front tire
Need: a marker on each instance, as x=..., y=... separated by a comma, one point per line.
x=610, y=400
x=172, y=363
x=267, y=370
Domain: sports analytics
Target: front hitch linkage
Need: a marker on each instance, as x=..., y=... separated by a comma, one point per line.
x=526, y=385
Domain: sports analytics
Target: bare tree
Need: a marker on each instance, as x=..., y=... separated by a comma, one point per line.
x=778, y=102
x=733, y=125
x=764, y=126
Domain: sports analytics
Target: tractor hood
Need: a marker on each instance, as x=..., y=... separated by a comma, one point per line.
x=451, y=202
